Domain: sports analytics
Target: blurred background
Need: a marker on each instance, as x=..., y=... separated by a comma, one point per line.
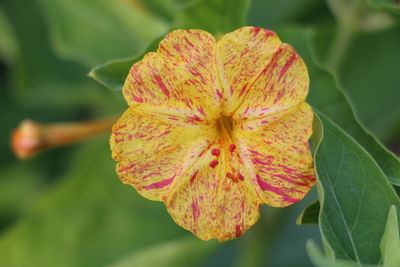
x=67, y=207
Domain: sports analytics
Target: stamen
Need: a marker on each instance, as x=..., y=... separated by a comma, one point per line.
x=230, y=175
x=215, y=152
x=213, y=163
x=232, y=147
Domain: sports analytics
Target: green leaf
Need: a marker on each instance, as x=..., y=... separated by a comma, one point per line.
x=37, y=78
x=181, y=252
x=113, y=74
x=281, y=12
x=310, y=214
x=215, y=16
x=355, y=196
x=319, y=260
x=327, y=96
x=92, y=32
x=390, y=243
x=8, y=44
x=374, y=87
x=89, y=219
x=391, y=6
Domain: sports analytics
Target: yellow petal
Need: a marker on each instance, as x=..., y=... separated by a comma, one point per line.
x=179, y=79
x=154, y=150
x=242, y=56
x=281, y=85
x=276, y=154
x=212, y=205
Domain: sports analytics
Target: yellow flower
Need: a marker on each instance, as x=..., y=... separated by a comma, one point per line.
x=215, y=129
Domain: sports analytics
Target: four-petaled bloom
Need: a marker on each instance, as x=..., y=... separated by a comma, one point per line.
x=217, y=128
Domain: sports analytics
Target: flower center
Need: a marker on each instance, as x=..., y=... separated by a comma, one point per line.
x=225, y=127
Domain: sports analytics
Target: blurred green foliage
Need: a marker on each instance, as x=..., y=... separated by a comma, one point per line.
x=68, y=208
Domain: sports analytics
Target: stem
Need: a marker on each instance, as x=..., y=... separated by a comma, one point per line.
x=343, y=39
x=348, y=16
x=258, y=244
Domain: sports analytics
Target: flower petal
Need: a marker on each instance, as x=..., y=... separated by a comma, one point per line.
x=242, y=56
x=179, y=79
x=152, y=150
x=212, y=205
x=281, y=85
x=276, y=155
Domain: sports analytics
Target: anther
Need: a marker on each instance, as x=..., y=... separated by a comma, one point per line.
x=215, y=152
x=213, y=163
x=232, y=147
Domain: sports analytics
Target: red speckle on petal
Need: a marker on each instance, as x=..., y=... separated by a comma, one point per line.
x=194, y=176
x=195, y=211
x=241, y=177
x=232, y=147
x=287, y=66
x=237, y=230
x=213, y=163
x=137, y=99
x=219, y=94
x=256, y=30
x=215, y=152
x=230, y=175
x=161, y=84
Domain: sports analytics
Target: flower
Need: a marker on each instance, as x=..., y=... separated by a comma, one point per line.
x=215, y=129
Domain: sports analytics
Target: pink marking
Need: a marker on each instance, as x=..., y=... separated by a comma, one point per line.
x=213, y=163
x=160, y=83
x=268, y=33
x=119, y=127
x=159, y=184
x=230, y=175
x=243, y=90
x=256, y=153
x=256, y=30
x=195, y=211
x=200, y=109
x=261, y=162
x=118, y=140
x=238, y=232
x=280, y=95
x=189, y=42
x=177, y=48
x=166, y=51
x=289, y=180
x=287, y=66
x=264, y=122
x=194, y=176
x=267, y=187
x=150, y=174
x=194, y=117
x=127, y=168
x=164, y=133
x=216, y=152
x=201, y=153
x=137, y=99
x=219, y=94
x=232, y=147
x=172, y=118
